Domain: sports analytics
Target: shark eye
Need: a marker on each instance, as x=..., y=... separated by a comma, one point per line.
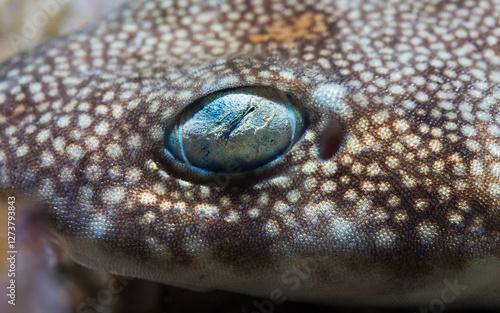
x=245, y=127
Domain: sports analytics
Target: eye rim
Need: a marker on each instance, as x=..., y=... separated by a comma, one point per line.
x=172, y=165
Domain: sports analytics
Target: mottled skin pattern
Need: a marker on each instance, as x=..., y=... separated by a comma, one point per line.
x=410, y=201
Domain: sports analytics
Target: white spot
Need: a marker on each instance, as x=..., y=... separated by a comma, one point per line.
x=455, y=218
x=413, y=141
x=401, y=126
x=422, y=96
x=494, y=148
x=385, y=238
x=184, y=95
x=35, y=87
x=113, y=195
x=99, y=225
x=341, y=229
x=329, y=168
x=495, y=169
x=117, y=111
x=444, y=192
x=287, y=75
x=74, y=151
x=114, y=151
x=165, y=205
x=494, y=189
x=272, y=228
x=472, y=145
x=101, y=110
x=408, y=104
x=42, y=136
x=59, y=144
x=264, y=74
x=421, y=205
x=101, y=129
x=84, y=120
x=435, y=145
x=373, y=169
x=495, y=76
x=494, y=130
x=328, y=187
x=64, y=121
x=468, y=130
x=332, y=96
x=22, y=151
x=134, y=142
x=148, y=218
x=229, y=80
x=312, y=211
x=309, y=168
x=253, y=213
x=196, y=246
x=476, y=168
x=109, y=96
x=397, y=90
x=204, y=191
x=147, y=198
x=47, y=188
x=93, y=172
x=92, y=143
x=232, y=217
x=45, y=118
x=310, y=183
x=133, y=175
x=427, y=232
x=84, y=106
x=283, y=182
x=207, y=211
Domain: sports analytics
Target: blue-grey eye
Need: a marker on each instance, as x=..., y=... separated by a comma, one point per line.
x=245, y=127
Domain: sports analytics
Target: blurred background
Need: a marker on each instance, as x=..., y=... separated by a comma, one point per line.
x=25, y=23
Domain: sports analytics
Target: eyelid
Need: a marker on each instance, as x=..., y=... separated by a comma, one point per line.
x=244, y=127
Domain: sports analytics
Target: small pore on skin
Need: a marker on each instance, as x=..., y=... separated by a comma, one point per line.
x=330, y=140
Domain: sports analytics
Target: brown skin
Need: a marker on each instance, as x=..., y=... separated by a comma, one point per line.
x=408, y=202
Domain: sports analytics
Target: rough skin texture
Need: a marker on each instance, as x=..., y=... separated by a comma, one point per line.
x=407, y=207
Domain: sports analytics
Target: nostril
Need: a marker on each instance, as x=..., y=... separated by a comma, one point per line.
x=330, y=140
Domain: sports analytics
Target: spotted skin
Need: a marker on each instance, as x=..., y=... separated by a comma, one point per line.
x=408, y=205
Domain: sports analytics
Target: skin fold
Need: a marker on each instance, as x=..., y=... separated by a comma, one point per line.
x=405, y=213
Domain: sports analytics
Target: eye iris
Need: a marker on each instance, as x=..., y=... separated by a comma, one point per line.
x=245, y=127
